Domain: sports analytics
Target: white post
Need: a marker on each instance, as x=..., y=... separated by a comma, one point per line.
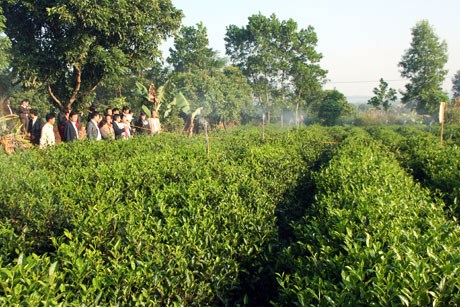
x=441, y=120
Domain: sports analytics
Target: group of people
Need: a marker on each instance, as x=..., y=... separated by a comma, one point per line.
x=110, y=125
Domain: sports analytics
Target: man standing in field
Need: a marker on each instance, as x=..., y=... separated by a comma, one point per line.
x=47, y=138
x=35, y=127
x=92, y=127
x=70, y=128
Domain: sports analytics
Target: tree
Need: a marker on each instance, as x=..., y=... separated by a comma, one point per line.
x=221, y=93
x=274, y=54
x=384, y=96
x=307, y=83
x=423, y=64
x=70, y=46
x=456, y=85
x=191, y=50
x=333, y=105
x=232, y=97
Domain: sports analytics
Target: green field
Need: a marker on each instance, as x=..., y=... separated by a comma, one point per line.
x=310, y=216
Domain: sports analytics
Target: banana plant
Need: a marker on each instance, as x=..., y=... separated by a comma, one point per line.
x=183, y=105
x=151, y=94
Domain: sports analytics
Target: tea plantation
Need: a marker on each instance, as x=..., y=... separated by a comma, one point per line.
x=311, y=216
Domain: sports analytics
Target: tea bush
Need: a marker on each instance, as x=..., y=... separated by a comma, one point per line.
x=435, y=167
x=150, y=221
x=372, y=237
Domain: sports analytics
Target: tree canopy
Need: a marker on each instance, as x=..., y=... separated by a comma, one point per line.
x=70, y=46
x=456, y=85
x=4, y=44
x=334, y=104
x=384, y=96
x=276, y=57
x=423, y=64
x=222, y=93
x=191, y=50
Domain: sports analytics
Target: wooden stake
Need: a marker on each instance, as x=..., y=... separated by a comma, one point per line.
x=441, y=120
x=263, y=126
x=207, y=137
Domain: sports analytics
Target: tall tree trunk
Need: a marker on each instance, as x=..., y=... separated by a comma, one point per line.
x=77, y=87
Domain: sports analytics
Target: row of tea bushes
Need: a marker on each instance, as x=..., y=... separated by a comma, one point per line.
x=372, y=237
x=435, y=167
x=151, y=221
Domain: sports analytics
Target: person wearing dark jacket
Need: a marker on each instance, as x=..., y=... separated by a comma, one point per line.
x=35, y=127
x=117, y=129
x=70, y=128
x=63, y=117
x=142, y=124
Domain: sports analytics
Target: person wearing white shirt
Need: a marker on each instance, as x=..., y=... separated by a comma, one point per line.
x=154, y=123
x=47, y=137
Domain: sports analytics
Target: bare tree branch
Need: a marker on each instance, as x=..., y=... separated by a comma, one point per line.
x=56, y=100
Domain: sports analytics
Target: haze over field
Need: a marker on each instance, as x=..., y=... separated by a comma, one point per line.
x=361, y=41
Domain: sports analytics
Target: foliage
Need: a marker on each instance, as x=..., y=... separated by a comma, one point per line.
x=423, y=64
x=452, y=111
x=69, y=47
x=372, y=237
x=436, y=167
x=384, y=96
x=314, y=215
x=334, y=104
x=276, y=57
x=223, y=95
x=191, y=51
x=221, y=92
x=456, y=85
x=5, y=52
x=152, y=221
x=142, y=92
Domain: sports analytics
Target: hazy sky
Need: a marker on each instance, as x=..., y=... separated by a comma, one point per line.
x=361, y=40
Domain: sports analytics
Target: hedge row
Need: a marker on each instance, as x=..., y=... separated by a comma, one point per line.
x=150, y=221
x=372, y=237
x=435, y=167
